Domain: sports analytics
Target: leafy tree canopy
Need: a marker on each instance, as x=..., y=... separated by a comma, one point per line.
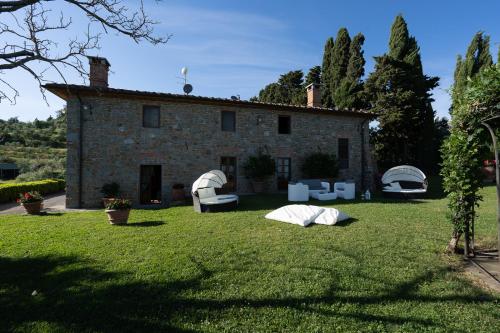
x=37, y=133
x=290, y=87
x=400, y=92
x=476, y=58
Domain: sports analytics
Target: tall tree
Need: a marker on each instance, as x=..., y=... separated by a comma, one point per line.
x=400, y=92
x=288, y=90
x=349, y=93
x=290, y=87
x=476, y=58
x=339, y=62
x=356, y=64
x=313, y=76
x=340, y=76
x=326, y=69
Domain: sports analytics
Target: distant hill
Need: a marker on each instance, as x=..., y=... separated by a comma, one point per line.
x=37, y=133
x=37, y=147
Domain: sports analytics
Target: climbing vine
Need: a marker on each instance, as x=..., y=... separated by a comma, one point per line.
x=462, y=151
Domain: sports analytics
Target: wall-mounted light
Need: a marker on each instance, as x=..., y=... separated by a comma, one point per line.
x=87, y=107
x=259, y=119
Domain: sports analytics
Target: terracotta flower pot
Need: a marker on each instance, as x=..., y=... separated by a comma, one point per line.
x=178, y=194
x=117, y=216
x=33, y=208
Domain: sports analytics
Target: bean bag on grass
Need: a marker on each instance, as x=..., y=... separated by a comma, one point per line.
x=295, y=214
x=304, y=215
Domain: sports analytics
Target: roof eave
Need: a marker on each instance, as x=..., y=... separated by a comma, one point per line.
x=65, y=92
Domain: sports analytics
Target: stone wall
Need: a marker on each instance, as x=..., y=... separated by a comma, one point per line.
x=190, y=142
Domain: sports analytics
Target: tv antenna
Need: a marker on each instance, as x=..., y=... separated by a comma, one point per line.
x=187, y=87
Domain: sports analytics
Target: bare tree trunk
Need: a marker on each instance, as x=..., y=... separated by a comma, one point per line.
x=453, y=244
x=467, y=240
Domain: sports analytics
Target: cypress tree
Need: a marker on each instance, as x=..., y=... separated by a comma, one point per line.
x=326, y=70
x=484, y=58
x=340, y=76
x=476, y=58
x=399, y=39
x=400, y=92
x=339, y=62
x=349, y=93
x=356, y=64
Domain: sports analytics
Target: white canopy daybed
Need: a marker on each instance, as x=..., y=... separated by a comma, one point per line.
x=404, y=179
x=204, y=197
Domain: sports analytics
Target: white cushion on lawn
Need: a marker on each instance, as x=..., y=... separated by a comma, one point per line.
x=330, y=216
x=204, y=193
x=296, y=214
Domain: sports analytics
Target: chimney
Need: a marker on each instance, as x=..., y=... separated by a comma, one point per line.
x=99, y=68
x=313, y=95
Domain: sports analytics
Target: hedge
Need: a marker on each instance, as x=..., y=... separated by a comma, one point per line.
x=10, y=191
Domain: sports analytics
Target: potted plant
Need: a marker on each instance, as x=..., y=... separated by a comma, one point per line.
x=31, y=201
x=178, y=192
x=320, y=165
x=110, y=191
x=258, y=168
x=118, y=210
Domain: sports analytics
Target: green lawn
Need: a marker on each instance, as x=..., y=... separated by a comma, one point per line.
x=175, y=270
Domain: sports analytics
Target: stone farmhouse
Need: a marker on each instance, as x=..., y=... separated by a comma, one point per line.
x=148, y=141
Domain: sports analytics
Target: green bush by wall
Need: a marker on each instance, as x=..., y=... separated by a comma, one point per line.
x=10, y=191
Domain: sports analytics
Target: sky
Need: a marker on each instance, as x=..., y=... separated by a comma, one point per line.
x=237, y=47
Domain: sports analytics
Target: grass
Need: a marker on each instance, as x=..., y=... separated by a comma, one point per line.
x=175, y=270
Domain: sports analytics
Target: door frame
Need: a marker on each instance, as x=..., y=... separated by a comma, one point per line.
x=160, y=185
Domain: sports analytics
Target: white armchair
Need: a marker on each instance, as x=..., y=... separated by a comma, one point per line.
x=345, y=190
x=298, y=192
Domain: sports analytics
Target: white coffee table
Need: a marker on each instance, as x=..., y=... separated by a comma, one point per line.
x=324, y=196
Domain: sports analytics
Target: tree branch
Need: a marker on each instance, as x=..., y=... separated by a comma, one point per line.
x=12, y=6
x=28, y=42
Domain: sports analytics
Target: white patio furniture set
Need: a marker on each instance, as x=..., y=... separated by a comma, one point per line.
x=315, y=188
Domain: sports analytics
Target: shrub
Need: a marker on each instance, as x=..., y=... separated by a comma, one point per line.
x=44, y=172
x=119, y=204
x=259, y=167
x=10, y=191
x=320, y=165
x=110, y=190
x=462, y=158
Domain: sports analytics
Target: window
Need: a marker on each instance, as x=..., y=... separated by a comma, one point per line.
x=228, y=166
x=151, y=116
x=343, y=152
x=284, y=125
x=228, y=121
x=283, y=171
